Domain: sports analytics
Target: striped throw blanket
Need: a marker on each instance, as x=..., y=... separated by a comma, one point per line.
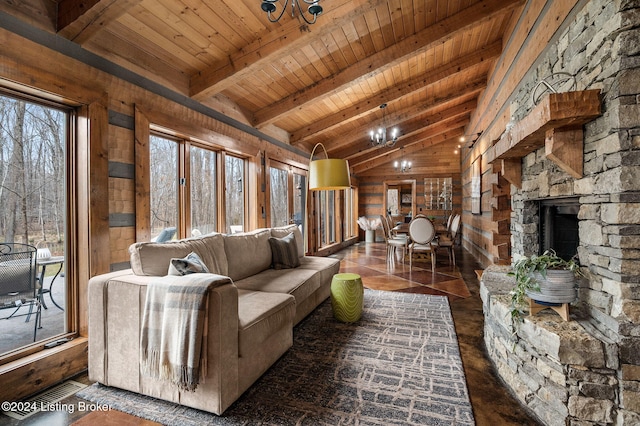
x=173, y=342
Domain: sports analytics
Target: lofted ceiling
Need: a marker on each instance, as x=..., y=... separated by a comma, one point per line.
x=428, y=60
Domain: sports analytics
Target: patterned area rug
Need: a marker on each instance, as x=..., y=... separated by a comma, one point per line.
x=399, y=364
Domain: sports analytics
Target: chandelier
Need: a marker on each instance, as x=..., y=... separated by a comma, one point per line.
x=314, y=9
x=402, y=165
x=380, y=138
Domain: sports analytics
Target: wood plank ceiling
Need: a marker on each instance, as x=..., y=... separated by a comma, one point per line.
x=302, y=84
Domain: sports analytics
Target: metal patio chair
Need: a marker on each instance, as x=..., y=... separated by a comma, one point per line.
x=19, y=283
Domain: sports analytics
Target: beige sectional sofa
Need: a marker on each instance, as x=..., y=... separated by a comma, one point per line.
x=252, y=312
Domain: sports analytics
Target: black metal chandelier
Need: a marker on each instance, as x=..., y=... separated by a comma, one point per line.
x=314, y=9
x=380, y=138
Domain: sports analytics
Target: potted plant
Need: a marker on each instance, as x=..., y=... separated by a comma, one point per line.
x=369, y=227
x=546, y=278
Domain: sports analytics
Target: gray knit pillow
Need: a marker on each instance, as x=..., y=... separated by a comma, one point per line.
x=284, y=252
x=190, y=264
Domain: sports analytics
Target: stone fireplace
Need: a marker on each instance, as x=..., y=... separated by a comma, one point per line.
x=585, y=371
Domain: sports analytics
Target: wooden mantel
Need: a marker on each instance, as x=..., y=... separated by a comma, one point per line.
x=555, y=123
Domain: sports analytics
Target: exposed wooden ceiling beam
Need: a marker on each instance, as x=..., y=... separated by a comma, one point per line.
x=79, y=20
x=396, y=154
x=452, y=117
x=427, y=132
x=433, y=35
x=405, y=119
x=275, y=43
x=371, y=105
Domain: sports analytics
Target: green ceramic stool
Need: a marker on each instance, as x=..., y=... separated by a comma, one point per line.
x=347, y=297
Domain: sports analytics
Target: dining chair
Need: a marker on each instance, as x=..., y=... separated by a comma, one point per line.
x=421, y=233
x=447, y=241
x=393, y=242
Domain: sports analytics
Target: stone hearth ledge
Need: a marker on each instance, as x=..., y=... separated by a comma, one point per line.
x=561, y=370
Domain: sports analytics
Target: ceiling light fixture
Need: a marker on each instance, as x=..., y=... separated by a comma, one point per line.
x=402, y=165
x=471, y=138
x=380, y=138
x=314, y=9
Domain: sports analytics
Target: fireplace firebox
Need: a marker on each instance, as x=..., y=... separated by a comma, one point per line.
x=558, y=228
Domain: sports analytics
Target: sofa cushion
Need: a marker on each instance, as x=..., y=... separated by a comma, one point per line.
x=248, y=253
x=283, y=231
x=284, y=252
x=210, y=248
x=298, y=282
x=191, y=264
x=326, y=267
x=260, y=315
x=152, y=259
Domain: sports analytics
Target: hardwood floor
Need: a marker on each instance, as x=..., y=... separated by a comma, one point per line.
x=492, y=403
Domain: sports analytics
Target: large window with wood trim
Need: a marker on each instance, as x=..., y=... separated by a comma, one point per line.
x=235, y=194
x=35, y=294
x=185, y=183
x=327, y=224
x=350, y=213
x=287, y=195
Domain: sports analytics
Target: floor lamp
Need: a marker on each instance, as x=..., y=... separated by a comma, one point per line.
x=325, y=174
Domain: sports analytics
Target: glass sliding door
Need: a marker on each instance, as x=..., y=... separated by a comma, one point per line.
x=34, y=156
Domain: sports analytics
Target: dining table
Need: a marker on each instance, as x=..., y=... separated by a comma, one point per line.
x=43, y=263
x=403, y=228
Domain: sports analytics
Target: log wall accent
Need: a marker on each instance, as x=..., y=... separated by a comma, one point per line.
x=532, y=32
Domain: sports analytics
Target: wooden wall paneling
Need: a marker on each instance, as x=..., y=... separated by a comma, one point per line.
x=120, y=240
x=122, y=197
x=121, y=145
x=98, y=163
x=142, y=177
x=42, y=369
x=22, y=63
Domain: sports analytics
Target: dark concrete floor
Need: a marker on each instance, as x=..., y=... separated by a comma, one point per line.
x=492, y=403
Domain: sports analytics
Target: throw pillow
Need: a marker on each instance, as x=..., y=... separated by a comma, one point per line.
x=190, y=264
x=284, y=252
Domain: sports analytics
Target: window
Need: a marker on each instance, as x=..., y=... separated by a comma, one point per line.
x=234, y=194
x=287, y=191
x=350, y=213
x=204, y=199
x=327, y=221
x=163, y=154
x=184, y=179
x=34, y=141
x=279, y=193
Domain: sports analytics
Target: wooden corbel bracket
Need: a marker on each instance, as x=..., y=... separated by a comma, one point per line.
x=565, y=148
x=555, y=123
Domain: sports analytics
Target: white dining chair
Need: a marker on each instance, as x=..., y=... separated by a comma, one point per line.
x=422, y=232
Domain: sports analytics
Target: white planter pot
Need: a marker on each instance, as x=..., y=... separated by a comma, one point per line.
x=558, y=287
x=370, y=235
